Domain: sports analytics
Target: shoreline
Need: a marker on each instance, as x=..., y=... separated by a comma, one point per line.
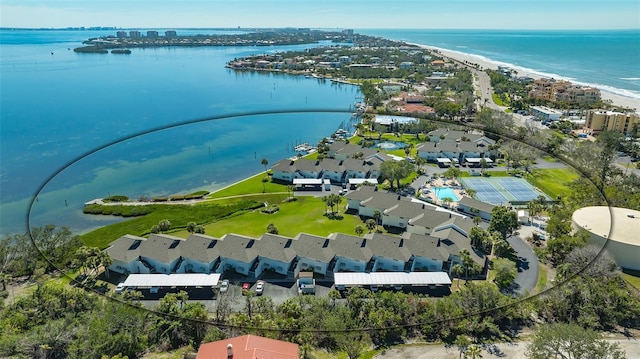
x=631, y=100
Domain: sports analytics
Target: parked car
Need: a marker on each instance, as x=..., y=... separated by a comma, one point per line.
x=224, y=286
x=259, y=287
x=120, y=287
x=245, y=288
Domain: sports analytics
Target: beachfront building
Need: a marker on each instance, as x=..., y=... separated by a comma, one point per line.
x=578, y=94
x=546, y=114
x=600, y=120
x=546, y=89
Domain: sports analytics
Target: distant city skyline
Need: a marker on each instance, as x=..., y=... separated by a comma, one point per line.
x=356, y=14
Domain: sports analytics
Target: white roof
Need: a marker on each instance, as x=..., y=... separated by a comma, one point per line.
x=391, y=278
x=172, y=280
x=444, y=160
x=363, y=180
x=477, y=159
x=307, y=181
x=387, y=120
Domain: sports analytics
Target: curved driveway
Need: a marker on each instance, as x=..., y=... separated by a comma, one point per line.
x=527, y=264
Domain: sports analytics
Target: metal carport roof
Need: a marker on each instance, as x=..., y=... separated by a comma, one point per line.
x=172, y=280
x=392, y=278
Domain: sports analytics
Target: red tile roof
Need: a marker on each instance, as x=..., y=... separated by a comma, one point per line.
x=249, y=347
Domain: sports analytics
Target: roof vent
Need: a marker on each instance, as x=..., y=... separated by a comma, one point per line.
x=229, y=351
x=631, y=215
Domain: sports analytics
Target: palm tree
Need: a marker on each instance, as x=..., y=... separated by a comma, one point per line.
x=371, y=224
x=359, y=230
x=264, y=184
x=467, y=262
x=264, y=162
x=473, y=352
x=377, y=215
x=457, y=271
x=447, y=201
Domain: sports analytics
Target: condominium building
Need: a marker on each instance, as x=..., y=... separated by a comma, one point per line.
x=600, y=120
x=578, y=94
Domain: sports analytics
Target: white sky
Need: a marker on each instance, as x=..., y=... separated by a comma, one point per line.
x=428, y=14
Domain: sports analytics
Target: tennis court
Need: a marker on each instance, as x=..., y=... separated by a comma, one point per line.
x=500, y=190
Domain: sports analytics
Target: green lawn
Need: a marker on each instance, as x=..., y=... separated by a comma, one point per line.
x=250, y=185
x=178, y=215
x=632, y=279
x=542, y=278
x=553, y=182
x=304, y=215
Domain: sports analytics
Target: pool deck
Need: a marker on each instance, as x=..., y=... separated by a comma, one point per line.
x=427, y=191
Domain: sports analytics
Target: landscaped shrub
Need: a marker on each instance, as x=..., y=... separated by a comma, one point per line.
x=271, y=209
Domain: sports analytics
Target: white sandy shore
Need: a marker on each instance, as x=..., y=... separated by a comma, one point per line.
x=616, y=99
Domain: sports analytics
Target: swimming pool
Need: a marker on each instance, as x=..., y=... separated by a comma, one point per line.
x=444, y=192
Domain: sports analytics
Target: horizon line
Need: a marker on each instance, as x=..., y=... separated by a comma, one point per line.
x=106, y=28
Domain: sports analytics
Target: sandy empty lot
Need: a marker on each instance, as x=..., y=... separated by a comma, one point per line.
x=512, y=351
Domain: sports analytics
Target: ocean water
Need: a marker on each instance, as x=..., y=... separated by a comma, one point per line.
x=607, y=59
x=74, y=127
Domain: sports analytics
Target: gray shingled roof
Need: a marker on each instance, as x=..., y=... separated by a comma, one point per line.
x=308, y=165
x=362, y=193
x=330, y=164
x=285, y=165
x=404, y=209
x=202, y=248
x=125, y=248
x=351, y=247
x=356, y=165
x=430, y=219
x=474, y=203
x=313, y=247
x=425, y=246
x=454, y=242
x=239, y=247
x=388, y=246
x=161, y=247
x=275, y=247
x=383, y=200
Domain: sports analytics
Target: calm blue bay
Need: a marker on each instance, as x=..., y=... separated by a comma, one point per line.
x=57, y=106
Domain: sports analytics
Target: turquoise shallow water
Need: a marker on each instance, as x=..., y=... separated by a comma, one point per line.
x=445, y=192
x=609, y=59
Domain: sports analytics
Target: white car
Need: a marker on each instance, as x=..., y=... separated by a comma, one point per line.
x=120, y=287
x=259, y=287
x=224, y=286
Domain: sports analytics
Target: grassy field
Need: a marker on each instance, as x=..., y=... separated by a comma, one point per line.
x=553, y=182
x=303, y=215
x=252, y=184
x=178, y=215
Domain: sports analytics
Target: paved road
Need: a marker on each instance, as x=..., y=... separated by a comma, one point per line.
x=527, y=264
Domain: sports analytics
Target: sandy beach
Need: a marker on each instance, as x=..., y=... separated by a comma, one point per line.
x=616, y=99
